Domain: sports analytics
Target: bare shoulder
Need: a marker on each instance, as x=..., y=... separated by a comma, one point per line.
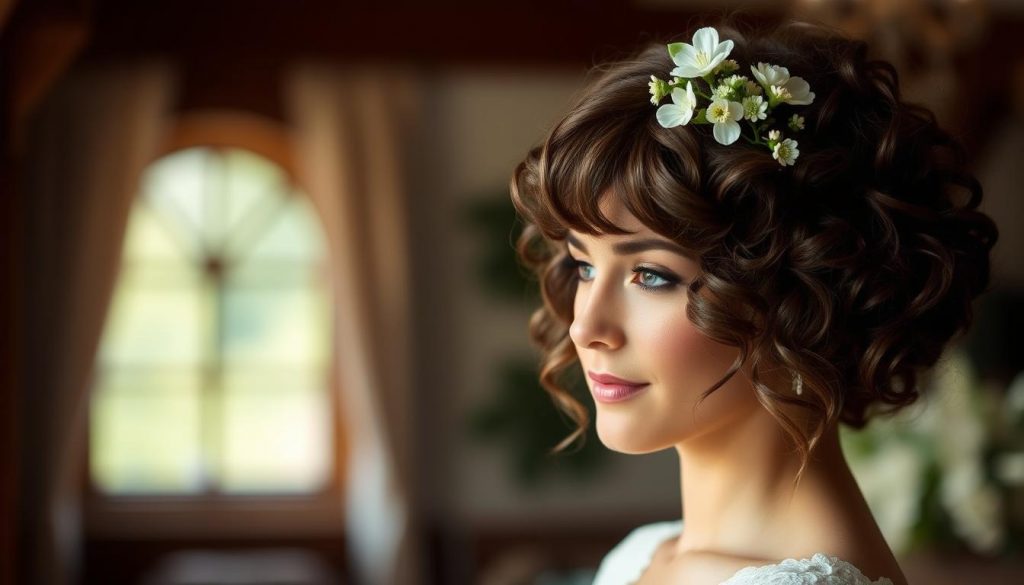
x=862, y=546
x=851, y=535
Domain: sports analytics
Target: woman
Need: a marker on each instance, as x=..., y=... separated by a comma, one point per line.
x=744, y=241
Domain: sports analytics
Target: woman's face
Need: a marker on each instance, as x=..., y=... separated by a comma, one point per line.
x=630, y=322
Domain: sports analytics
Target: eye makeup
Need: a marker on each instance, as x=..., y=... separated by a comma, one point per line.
x=668, y=280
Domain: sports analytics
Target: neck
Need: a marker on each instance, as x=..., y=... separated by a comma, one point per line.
x=738, y=493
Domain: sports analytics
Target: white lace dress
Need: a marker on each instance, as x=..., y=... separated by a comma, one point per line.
x=625, y=563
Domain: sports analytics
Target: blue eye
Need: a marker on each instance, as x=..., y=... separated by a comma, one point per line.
x=583, y=270
x=652, y=280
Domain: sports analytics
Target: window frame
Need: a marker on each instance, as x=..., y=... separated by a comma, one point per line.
x=215, y=514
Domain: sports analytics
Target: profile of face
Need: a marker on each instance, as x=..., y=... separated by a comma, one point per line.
x=629, y=322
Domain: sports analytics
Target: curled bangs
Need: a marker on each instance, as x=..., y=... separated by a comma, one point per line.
x=655, y=174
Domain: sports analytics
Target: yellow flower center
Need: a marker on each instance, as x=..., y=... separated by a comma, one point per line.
x=703, y=58
x=718, y=113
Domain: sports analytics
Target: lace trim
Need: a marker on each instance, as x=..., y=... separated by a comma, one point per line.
x=819, y=568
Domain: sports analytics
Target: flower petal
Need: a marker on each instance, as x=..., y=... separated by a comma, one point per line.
x=719, y=56
x=727, y=132
x=688, y=71
x=800, y=90
x=685, y=54
x=781, y=75
x=758, y=74
x=674, y=49
x=769, y=75
x=706, y=39
x=735, y=110
x=671, y=115
x=691, y=98
x=722, y=50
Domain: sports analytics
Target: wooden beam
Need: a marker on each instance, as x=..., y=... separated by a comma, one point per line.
x=531, y=32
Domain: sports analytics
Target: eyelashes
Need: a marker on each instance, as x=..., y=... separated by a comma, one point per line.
x=667, y=281
x=662, y=280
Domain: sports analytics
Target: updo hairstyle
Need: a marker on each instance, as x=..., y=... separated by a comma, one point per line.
x=854, y=267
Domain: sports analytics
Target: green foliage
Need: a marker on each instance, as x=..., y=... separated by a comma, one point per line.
x=497, y=269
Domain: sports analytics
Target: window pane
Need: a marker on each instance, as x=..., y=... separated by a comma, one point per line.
x=250, y=179
x=152, y=256
x=153, y=326
x=176, y=186
x=276, y=274
x=286, y=326
x=276, y=431
x=290, y=252
x=145, y=431
x=149, y=238
x=294, y=235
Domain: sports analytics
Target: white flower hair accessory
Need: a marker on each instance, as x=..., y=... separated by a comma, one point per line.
x=702, y=70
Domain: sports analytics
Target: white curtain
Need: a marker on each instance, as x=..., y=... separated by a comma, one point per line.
x=348, y=136
x=86, y=148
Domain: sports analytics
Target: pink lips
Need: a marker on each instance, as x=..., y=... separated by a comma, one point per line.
x=609, y=388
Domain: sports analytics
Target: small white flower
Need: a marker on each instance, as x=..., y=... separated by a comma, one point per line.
x=723, y=91
x=786, y=152
x=800, y=93
x=700, y=58
x=774, y=135
x=753, y=88
x=727, y=66
x=659, y=89
x=797, y=90
x=735, y=81
x=779, y=93
x=725, y=114
x=755, y=108
x=796, y=122
x=679, y=112
x=769, y=75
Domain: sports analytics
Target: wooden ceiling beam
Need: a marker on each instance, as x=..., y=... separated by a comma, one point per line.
x=530, y=33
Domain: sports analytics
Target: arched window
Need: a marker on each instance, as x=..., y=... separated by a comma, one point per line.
x=213, y=373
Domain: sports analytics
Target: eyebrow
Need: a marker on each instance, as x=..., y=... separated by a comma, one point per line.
x=634, y=246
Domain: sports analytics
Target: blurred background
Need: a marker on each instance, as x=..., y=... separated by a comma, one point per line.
x=264, y=324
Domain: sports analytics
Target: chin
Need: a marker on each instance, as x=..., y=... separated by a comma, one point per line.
x=627, y=437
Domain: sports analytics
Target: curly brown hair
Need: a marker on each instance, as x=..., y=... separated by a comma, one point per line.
x=854, y=267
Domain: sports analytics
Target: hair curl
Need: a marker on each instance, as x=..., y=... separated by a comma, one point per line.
x=854, y=268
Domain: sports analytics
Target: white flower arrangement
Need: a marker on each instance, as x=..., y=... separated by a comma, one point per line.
x=731, y=98
x=948, y=467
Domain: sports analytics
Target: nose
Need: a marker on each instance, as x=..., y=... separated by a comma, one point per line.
x=597, y=319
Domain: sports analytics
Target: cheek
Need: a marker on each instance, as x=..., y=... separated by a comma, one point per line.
x=677, y=339
x=672, y=341
x=685, y=359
